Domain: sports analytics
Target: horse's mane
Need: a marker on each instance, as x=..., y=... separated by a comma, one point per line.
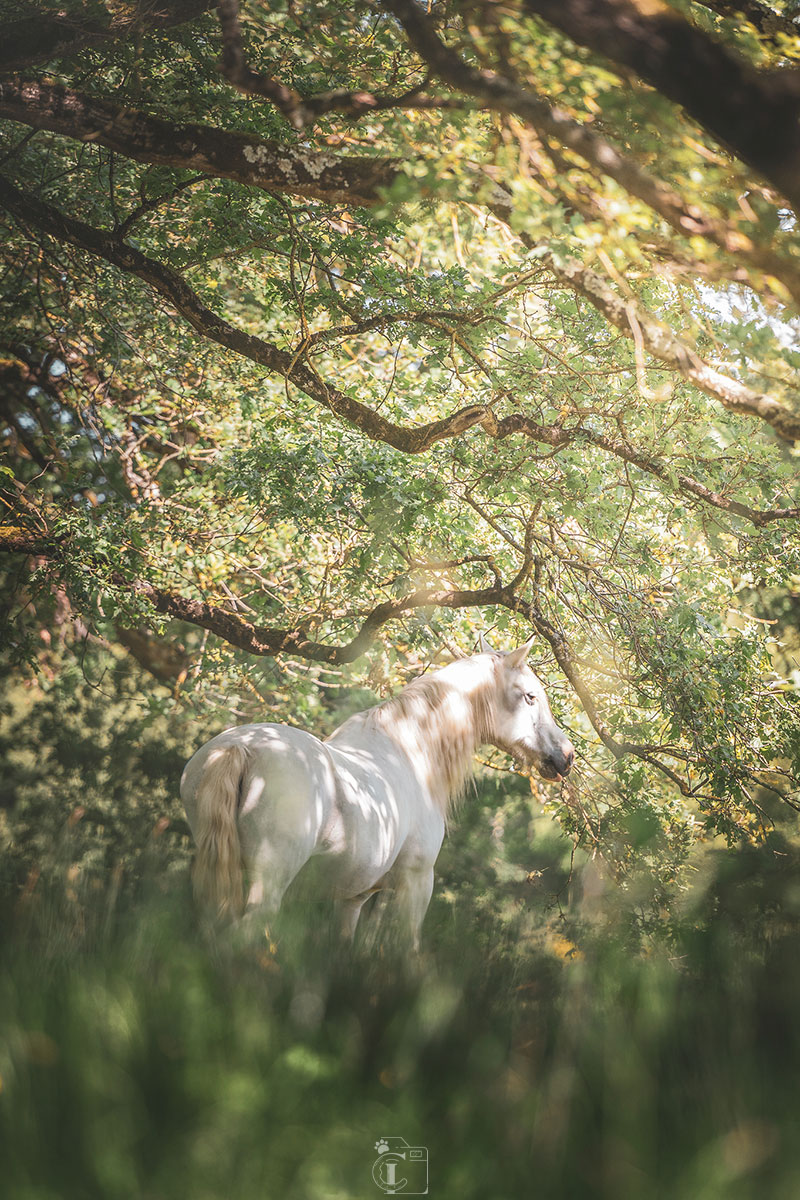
x=440, y=720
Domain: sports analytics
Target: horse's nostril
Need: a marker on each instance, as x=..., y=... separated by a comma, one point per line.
x=569, y=759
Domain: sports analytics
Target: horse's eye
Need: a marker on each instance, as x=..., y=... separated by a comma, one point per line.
x=530, y=697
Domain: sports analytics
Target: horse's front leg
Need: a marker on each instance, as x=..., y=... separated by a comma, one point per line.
x=413, y=890
x=349, y=911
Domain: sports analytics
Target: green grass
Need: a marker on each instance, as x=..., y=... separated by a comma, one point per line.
x=140, y=1059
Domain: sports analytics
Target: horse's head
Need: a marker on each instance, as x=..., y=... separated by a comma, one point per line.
x=522, y=722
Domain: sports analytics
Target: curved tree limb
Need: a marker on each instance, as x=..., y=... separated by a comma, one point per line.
x=556, y=435
x=260, y=641
x=267, y=642
x=417, y=439
x=350, y=180
x=678, y=354
x=255, y=639
x=173, y=287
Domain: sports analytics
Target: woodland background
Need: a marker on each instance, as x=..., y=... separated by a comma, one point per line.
x=334, y=335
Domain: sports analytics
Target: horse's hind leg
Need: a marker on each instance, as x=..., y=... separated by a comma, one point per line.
x=269, y=875
x=266, y=892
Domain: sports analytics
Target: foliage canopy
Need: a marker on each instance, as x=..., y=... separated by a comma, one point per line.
x=336, y=326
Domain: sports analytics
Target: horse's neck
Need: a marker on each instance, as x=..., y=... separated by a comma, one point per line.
x=439, y=721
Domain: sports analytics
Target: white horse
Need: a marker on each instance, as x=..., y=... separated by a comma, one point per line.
x=370, y=803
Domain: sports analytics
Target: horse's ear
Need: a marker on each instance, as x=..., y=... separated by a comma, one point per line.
x=515, y=658
x=483, y=645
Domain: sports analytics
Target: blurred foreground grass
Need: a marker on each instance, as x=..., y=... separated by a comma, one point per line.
x=139, y=1060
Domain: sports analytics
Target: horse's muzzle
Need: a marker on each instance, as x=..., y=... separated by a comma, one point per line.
x=556, y=767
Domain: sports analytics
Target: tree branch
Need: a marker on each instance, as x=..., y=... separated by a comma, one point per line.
x=258, y=639
x=506, y=96
x=301, y=110
x=173, y=287
x=268, y=642
x=755, y=114
x=410, y=439
x=42, y=38
x=556, y=435
x=350, y=180
x=250, y=160
x=665, y=346
x=264, y=641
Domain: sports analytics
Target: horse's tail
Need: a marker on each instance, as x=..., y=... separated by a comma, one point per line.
x=217, y=873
